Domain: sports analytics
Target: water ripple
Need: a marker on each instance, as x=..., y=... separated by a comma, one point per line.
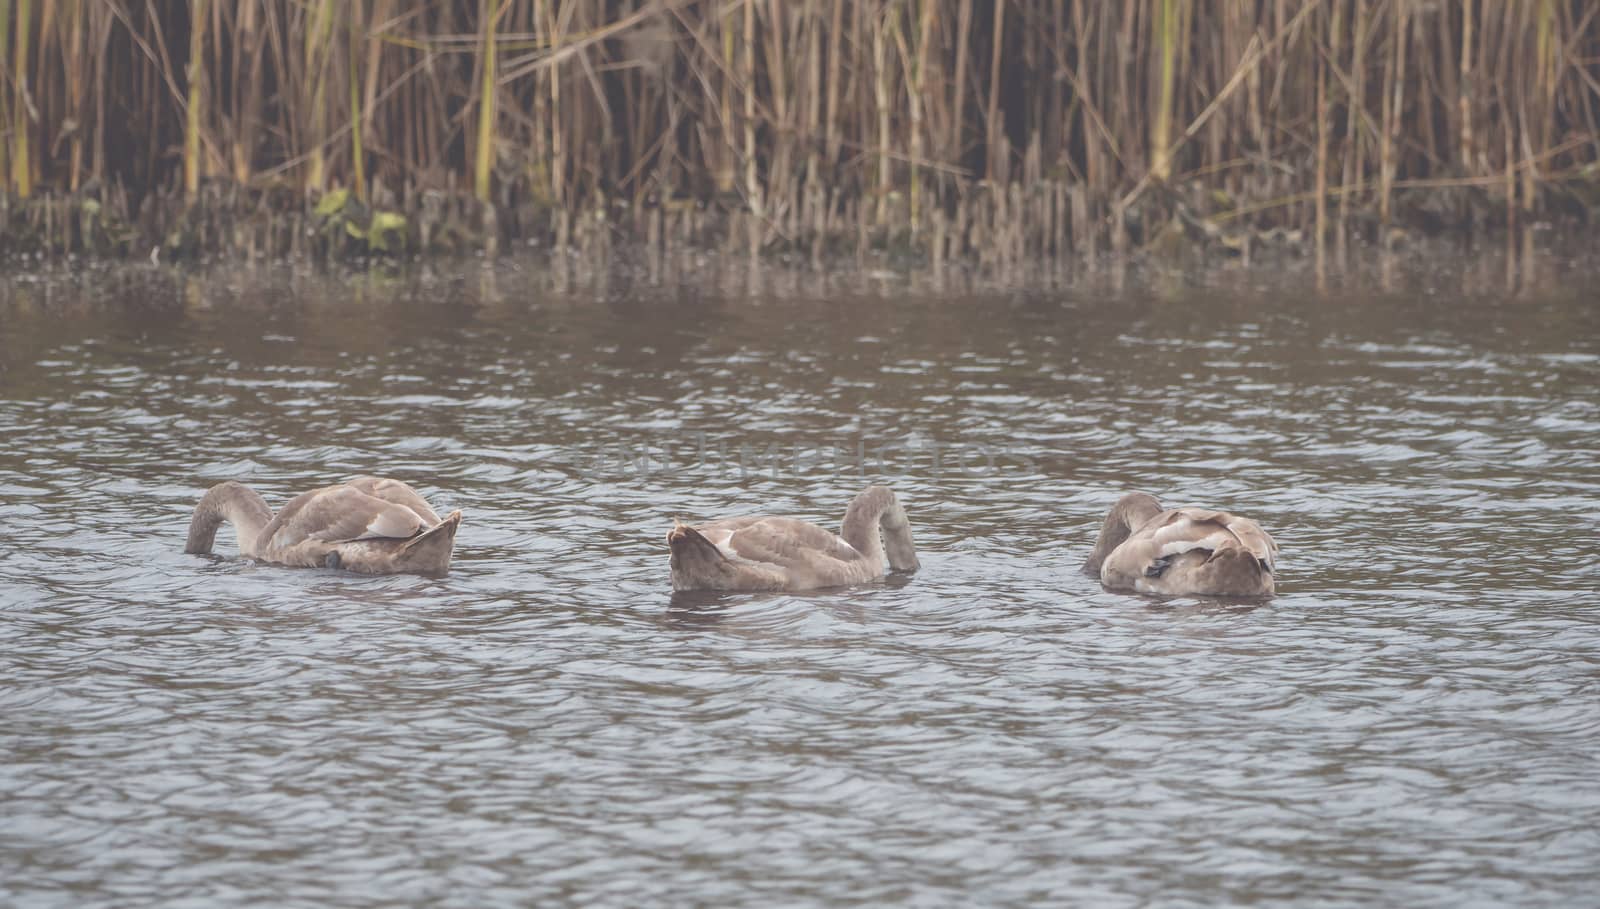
x=1411, y=720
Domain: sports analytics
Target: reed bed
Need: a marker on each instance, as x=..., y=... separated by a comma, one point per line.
x=937, y=129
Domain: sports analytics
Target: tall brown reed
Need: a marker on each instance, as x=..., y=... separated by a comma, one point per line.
x=1077, y=120
x=21, y=166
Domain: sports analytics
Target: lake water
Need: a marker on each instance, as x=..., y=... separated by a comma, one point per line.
x=1414, y=720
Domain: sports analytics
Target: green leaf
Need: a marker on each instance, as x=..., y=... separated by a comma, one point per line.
x=332, y=202
x=384, y=224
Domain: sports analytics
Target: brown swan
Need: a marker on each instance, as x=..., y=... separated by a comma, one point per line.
x=1182, y=551
x=772, y=553
x=368, y=525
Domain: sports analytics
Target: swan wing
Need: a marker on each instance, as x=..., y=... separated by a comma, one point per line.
x=342, y=514
x=788, y=542
x=397, y=492
x=1194, y=551
x=1183, y=529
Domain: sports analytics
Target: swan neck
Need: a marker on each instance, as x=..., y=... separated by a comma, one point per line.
x=1131, y=510
x=876, y=525
x=235, y=503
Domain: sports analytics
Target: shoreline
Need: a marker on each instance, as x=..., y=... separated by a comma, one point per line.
x=1045, y=223
x=1536, y=260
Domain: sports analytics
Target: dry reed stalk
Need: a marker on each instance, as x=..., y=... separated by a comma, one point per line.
x=318, y=35
x=195, y=107
x=73, y=37
x=1353, y=164
x=752, y=184
x=247, y=90
x=1089, y=129
x=21, y=169
x=1464, y=90
x=1393, y=109
x=880, y=66
x=1241, y=73
x=956, y=148
x=781, y=127
x=1166, y=39
x=835, y=79
x=6, y=88
x=724, y=160
x=1546, y=66
x=915, y=89
x=555, y=28
x=994, y=166
x=358, y=157
x=813, y=107
x=1319, y=241
x=491, y=11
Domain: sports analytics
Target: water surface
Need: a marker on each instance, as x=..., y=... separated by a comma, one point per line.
x=1413, y=721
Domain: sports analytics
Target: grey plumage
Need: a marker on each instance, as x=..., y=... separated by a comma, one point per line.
x=1182, y=551
x=763, y=552
x=370, y=525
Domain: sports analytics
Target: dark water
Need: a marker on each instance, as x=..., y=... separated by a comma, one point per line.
x=1415, y=720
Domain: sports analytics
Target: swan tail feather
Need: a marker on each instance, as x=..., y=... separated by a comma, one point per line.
x=430, y=550
x=688, y=542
